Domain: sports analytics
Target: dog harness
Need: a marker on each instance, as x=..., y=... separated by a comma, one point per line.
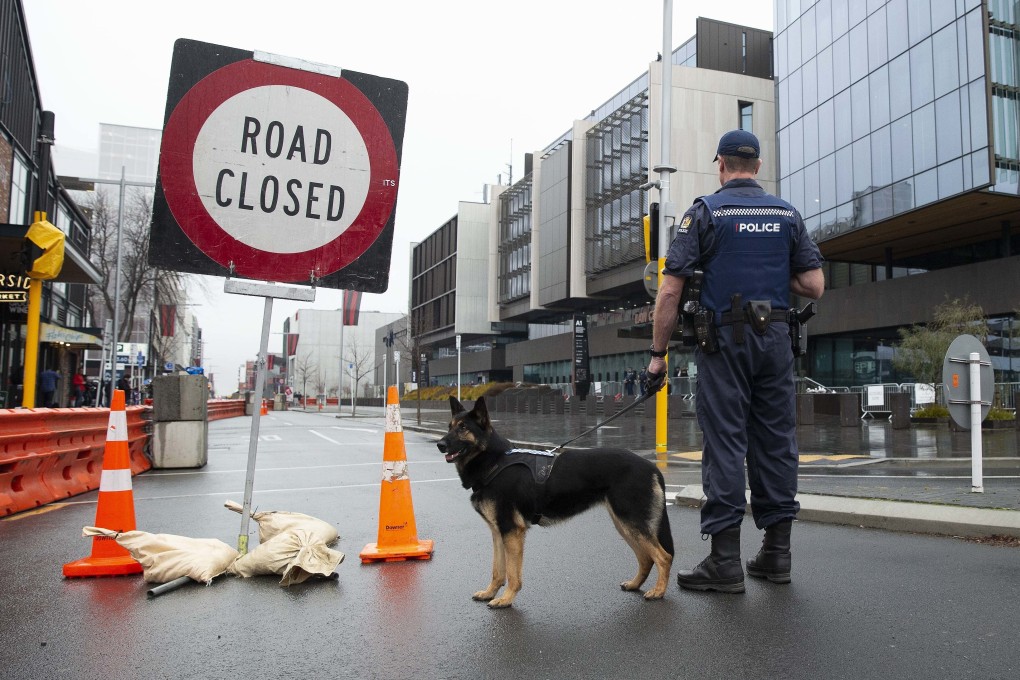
x=539, y=462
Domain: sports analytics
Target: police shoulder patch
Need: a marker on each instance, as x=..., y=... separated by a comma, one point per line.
x=685, y=223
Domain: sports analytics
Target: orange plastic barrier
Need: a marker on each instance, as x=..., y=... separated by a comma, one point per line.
x=219, y=409
x=398, y=533
x=48, y=455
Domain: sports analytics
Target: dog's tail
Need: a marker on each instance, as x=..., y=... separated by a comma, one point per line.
x=665, y=534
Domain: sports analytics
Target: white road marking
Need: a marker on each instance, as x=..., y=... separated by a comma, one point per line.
x=333, y=441
x=262, y=491
x=158, y=473
x=355, y=429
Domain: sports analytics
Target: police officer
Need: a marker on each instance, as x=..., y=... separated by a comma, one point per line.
x=754, y=251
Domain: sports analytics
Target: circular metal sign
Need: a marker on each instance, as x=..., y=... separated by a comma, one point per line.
x=956, y=378
x=278, y=173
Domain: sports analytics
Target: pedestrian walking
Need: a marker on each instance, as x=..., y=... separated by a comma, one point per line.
x=752, y=250
x=78, y=383
x=48, y=380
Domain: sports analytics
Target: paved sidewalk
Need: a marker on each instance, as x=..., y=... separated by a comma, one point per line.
x=918, y=479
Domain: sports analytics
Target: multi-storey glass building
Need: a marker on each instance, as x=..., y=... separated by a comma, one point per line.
x=898, y=141
x=568, y=236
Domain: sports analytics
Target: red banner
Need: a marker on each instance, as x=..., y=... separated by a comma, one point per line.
x=352, y=305
x=167, y=319
x=292, y=344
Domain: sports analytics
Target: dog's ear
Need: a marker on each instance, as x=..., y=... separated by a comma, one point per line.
x=480, y=413
x=455, y=406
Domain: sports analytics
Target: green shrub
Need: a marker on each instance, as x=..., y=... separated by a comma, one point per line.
x=932, y=411
x=996, y=413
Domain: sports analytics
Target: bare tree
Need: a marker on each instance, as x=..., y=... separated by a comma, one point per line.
x=141, y=284
x=358, y=364
x=304, y=370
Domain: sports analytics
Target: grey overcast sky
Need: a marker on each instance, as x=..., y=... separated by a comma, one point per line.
x=487, y=84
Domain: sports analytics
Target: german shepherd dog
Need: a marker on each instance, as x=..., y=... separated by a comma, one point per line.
x=545, y=489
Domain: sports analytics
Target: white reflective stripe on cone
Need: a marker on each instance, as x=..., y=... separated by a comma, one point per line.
x=393, y=470
x=115, y=480
x=116, y=431
x=393, y=418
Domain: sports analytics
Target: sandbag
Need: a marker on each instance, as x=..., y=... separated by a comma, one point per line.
x=274, y=522
x=296, y=555
x=165, y=557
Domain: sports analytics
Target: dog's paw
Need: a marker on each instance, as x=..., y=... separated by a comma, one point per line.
x=654, y=594
x=501, y=603
x=483, y=596
x=630, y=586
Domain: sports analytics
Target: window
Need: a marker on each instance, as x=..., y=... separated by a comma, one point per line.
x=19, y=192
x=743, y=52
x=746, y=116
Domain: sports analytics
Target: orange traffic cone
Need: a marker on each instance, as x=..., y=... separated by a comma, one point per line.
x=264, y=410
x=116, y=508
x=398, y=535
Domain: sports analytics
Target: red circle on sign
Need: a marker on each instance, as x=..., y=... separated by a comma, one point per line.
x=177, y=176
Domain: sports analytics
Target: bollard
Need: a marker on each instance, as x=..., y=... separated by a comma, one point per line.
x=805, y=409
x=899, y=404
x=850, y=409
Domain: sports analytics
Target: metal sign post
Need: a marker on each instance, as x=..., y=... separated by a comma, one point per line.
x=268, y=291
x=969, y=397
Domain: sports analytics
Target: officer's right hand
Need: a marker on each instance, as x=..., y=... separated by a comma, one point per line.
x=656, y=381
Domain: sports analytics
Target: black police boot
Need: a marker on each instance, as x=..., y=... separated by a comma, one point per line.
x=773, y=560
x=721, y=570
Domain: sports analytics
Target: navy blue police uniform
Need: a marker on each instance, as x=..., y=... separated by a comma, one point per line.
x=746, y=242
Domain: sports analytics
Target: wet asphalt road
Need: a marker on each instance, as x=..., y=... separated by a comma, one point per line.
x=863, y=604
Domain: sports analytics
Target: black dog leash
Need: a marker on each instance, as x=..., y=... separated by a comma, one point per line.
x=644, y=397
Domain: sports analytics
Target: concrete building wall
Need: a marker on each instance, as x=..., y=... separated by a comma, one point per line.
x=319, y=348
x=552, y=226
x=704, y=106
x=472, y=268
x=578, y=280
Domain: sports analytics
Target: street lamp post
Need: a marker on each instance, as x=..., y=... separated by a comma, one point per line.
x=458, y=367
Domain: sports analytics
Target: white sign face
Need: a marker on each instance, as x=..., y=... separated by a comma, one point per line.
x=876, y=395
x=924, y=393
x=281, y=169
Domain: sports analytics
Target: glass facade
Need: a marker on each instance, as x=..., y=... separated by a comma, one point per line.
x=617, y=151
x=883, y=107
x=515, y=242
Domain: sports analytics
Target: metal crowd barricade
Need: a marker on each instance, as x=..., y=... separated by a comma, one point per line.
x=875, y=399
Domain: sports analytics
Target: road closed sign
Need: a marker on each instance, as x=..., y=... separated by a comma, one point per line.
x=277, y=169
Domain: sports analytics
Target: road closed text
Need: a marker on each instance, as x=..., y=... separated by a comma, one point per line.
x=290, y=195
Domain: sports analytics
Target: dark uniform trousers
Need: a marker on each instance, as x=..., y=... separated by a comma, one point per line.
x=746, y=409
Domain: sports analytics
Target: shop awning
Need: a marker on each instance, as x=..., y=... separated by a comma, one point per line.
x=75, y=337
